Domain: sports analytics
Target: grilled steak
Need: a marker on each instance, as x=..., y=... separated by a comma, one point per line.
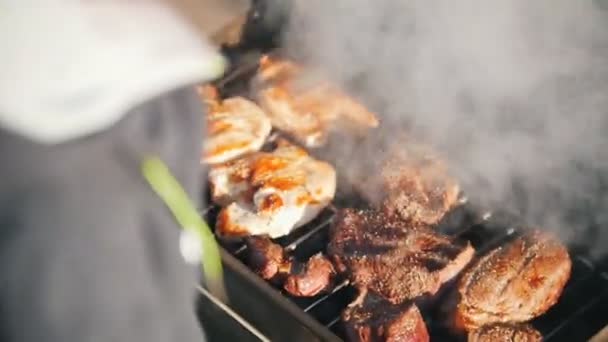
x=418, y=188
x=317, y=275
x=512, y=283
x=505, y=332
x=414, y=184
x=270, y=262
x=392, y=258
x=374, y=319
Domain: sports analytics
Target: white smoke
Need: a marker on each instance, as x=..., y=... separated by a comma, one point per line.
x=513, y=92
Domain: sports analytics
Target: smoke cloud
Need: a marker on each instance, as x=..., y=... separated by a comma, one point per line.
x=514, y=93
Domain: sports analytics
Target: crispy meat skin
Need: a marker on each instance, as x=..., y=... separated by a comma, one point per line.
x=417, y=185
x=393, y=258
x=375, y=319
x=505, y=332
x=513, y=283
x=317, y=276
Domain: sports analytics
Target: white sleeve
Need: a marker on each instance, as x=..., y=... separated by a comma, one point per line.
x=73, y=67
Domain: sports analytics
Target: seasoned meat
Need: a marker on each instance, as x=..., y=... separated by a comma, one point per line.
x=270, y=262
x=306, y=112
x=393, y=258
x=373, y=319
x=235, y=127
x=266, y=258
x=416, y=185
x=513, y=283
x=271, y=193
x=505, y=332
x=317, y=276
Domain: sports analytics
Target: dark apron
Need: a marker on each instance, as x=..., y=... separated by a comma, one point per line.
x=87, y=251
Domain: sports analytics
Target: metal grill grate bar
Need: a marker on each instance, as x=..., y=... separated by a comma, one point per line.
x=571, y=304
x=324, y=224
x=558, y=331
x=591, y=320
x=321, y=299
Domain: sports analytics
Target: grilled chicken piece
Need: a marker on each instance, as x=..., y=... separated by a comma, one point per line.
x=308, y=113
x=414, y=185
x=271, y=193
x=513, y=283
x=393, y=258
x=505, y=332
x=235, y=126
x=371, y=318
x=317, y=276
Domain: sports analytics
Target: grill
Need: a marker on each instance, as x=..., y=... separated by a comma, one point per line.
x=581, y=312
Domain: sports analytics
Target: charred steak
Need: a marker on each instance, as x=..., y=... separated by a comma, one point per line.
x=505, y=332
x=513, y=283
x=394, y=259
x=372, y=318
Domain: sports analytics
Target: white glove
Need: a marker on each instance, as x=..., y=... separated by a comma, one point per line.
x=72, y=68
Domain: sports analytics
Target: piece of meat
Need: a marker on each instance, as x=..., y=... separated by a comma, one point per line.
x=373, y=319
x=270, y=261
x=307, y=110
x=414, y=184
x=266, y=258
x=271, y=193
x=505, y=332
x=513, y=283
x=317, y=276
x=235, y=127
x=393, y=258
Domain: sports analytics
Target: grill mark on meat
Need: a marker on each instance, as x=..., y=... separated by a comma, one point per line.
x=513, y=283
x=530, y=255
x=475, y=271
x=553, y=277
x=502, y=282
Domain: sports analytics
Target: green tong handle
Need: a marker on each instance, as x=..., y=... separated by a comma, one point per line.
x=175, y=198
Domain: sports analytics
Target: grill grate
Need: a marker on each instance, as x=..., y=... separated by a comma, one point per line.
x=580, y=313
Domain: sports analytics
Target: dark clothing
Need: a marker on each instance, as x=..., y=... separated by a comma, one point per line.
x=88, y=252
